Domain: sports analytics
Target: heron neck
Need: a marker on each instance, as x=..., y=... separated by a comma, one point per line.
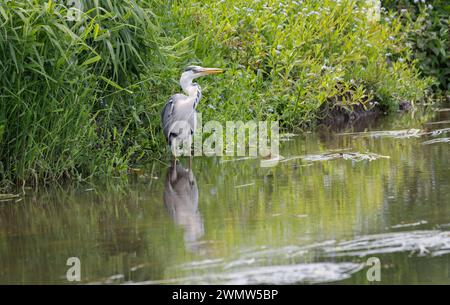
x=191, y=89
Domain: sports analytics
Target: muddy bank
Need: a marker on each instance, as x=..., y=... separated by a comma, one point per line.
x=358, y=116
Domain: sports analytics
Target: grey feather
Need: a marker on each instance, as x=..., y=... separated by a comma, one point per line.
x=178, y=108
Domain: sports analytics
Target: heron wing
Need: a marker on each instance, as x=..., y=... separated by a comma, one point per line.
x=166, y=115
x=177, y=108
x=167, y=111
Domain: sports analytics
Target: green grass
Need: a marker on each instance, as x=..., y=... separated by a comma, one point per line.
x=82, y=98
x=66, y=87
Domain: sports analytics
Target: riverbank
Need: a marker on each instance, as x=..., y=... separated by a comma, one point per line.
x=82, y=97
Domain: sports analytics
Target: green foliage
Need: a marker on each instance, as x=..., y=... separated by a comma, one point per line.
x=82, y=97
x=428, y=35
x=61, y=83
x=285, y=59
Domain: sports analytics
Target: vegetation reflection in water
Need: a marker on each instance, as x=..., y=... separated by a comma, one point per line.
x=301, y=221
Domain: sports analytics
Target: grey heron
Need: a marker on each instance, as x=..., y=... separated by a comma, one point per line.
x=179, y=115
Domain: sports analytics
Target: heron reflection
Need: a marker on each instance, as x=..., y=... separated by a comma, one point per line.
x=181, y=200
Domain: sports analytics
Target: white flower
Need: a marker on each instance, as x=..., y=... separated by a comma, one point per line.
x=325, y=67
x=373, y=10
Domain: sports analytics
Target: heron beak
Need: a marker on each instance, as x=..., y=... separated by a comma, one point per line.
x=208, y=71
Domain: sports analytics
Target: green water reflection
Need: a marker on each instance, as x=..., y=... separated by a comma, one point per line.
x=226, y=215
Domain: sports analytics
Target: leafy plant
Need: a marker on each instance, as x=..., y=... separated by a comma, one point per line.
x=427, y=24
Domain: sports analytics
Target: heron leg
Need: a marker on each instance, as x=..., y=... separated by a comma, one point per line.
x=191, y=174
x=173, y=168
x=173, y=148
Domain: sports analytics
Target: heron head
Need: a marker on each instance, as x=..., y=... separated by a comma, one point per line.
x=192, y=72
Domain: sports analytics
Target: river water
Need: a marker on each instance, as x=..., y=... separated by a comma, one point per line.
x=338, y=205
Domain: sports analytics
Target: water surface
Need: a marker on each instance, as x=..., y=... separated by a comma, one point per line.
x=335, y=200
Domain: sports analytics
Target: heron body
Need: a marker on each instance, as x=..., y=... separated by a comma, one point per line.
x=179, y=115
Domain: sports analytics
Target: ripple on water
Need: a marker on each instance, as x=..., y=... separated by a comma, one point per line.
x=407, y=133
x=274, y=265
x=353, y=156
x=431, y=242
x=434, y=141
x=399, y=134
x=278, y=274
